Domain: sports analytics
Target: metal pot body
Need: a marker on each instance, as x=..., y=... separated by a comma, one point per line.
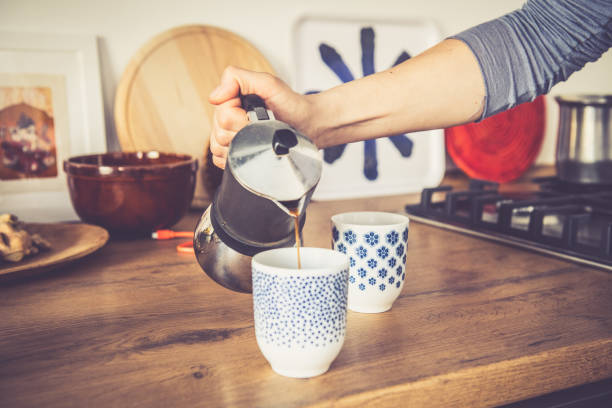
x=584, y=141
x=250, y=222
x=230, y=266
x=270, y=176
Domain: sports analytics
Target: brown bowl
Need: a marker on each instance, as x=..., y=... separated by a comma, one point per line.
x=131, y=193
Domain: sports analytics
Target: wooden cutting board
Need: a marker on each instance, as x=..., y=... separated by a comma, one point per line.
x=162, y=98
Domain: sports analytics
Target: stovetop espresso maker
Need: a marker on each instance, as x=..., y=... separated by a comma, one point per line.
x=269, y=177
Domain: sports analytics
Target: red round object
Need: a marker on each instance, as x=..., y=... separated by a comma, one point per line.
x=502, y=147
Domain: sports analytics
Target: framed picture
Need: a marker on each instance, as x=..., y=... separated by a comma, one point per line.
x=329, y=52
x=50, y=109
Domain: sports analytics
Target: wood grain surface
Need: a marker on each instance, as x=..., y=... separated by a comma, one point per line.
x=138, y=325
x=162, y=97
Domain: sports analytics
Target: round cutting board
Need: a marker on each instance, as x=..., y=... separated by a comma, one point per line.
x=162, y=98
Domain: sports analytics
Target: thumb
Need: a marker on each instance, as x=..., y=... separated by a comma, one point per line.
x=228, y=88
x=237, y=80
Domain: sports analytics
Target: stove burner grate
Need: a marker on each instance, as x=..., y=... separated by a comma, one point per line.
x=557, y=219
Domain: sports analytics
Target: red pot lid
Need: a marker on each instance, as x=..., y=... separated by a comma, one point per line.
x=501, y=147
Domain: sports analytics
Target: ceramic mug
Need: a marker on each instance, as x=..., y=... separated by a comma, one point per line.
x=376, y=245
x=300, y=314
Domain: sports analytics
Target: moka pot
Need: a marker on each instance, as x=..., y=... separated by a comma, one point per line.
x=270, y=175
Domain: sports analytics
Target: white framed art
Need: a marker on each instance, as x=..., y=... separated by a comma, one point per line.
x=330, y=51
x=50, y=109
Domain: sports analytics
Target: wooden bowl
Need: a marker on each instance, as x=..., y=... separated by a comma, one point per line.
x=131, y=192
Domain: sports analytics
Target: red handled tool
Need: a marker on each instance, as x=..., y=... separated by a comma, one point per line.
x=184, y=248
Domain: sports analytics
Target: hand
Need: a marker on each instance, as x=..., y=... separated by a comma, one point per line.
x=229, y=117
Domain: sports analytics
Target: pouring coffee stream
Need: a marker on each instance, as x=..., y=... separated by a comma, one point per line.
x=270, y=175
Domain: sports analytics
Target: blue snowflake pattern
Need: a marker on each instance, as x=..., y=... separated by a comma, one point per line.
x=372, y=263
x=361, y=252
x=362, y=272
x=335, y=234
x=372, y=281
x=392, y=238
x=399, y=270
x=334, y=61
x=352, y=279
x=350, y=237
x=371, y=238
x=362, y=286
x=382, y=287
x=382, y=273
x=342, y=248
x=404, y=259
x=397, y=284
x=382, y=252
x=403, y=275
x=391, y=262
x=351, y=261
x=405, y=235
x=399, y=251
x=391, y=280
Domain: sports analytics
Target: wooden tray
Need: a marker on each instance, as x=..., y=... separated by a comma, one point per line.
x=162, y=98
x=69, y=242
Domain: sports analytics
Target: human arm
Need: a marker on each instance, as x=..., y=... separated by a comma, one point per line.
x=482, y=71
x=524, y=53
x=438, y=88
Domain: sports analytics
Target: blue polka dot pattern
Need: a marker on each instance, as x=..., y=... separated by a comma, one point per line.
x=295, y=311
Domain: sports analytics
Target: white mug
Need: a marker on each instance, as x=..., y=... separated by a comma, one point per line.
x=300, y=314
x=376, y=245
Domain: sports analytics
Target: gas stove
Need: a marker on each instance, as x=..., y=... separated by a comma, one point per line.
x=570, y=221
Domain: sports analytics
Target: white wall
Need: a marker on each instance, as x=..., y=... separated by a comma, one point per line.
x=124, y=25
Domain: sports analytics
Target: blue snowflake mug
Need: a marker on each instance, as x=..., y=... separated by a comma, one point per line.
x=300, y=314
x=375, y=243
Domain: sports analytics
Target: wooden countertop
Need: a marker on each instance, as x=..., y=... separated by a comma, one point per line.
x=136, y=324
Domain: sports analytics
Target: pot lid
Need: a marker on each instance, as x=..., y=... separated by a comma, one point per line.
x=605, y=100
x=272, y=159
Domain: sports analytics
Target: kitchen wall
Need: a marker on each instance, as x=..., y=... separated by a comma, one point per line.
x=124, y=25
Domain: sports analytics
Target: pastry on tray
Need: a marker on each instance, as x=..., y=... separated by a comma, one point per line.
x=16, y=242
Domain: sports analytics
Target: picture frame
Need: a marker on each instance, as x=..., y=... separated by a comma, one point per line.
x=329, y=51
x=51, y=109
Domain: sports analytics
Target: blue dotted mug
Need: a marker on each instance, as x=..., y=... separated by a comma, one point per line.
x=375, y=243
x=300, y=314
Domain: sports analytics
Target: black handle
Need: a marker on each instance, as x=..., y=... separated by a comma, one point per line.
x=283, y=140
x=254, y=103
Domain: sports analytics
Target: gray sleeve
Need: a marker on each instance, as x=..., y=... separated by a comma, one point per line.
x=524, y=53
